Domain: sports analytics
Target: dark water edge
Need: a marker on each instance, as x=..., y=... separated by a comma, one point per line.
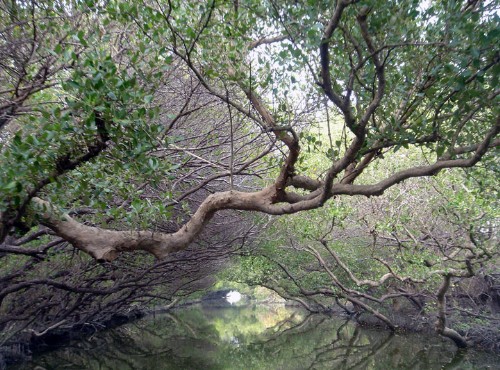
x=23, y=348
x=256, y=337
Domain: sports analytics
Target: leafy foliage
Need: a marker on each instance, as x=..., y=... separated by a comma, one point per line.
x=128, y=126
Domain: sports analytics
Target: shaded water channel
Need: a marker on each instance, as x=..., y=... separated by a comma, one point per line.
x=256, y=337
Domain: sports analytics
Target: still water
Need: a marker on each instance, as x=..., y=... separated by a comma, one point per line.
x=256, y=337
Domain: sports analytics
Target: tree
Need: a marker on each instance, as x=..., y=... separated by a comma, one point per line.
x=104, y=100
x=394, y=85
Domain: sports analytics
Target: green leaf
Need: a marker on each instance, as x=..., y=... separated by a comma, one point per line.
x=111, y=95
x=11, y=185
x=73, y=84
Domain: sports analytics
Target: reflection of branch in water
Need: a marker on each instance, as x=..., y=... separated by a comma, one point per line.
x=315, y=341
x=317, y=327
x=291, y=331
x=153, y=333
x=181, y=322
x=127, y=347
x=457, y=362
x=330, y=347
x=375, y=351
x=123, y=354
x=279, y=327
x=340, y=329
x=119, y=360
x=343, y=354
x=420, y=360
x=306, y=327
x=350, y=347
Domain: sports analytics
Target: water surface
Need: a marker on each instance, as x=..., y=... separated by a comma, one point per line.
x=257, y=337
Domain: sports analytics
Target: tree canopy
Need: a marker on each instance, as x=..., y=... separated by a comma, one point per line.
x=94, y=94
x=129, y=126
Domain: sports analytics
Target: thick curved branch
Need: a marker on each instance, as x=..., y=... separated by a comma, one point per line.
x=440, y=324
x=422, y=171
x=105, y=244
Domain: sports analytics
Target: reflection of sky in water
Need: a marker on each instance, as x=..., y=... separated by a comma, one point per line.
x=233, y=297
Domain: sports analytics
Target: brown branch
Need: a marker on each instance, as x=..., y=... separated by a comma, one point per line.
x=62, y=165
x=327, y=84
x=39, y=252
x=288, y=137
x=370, y=283
x=440, y=324
x=350, y=294
x=267, y=41
x=107, y=244
x=377, y=189
x=379, y=71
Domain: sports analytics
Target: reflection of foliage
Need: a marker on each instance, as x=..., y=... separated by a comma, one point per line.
x=244, y=325
x=191, y=339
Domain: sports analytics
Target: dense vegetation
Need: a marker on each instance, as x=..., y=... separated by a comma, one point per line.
x=396, y=257
x=150, y=127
